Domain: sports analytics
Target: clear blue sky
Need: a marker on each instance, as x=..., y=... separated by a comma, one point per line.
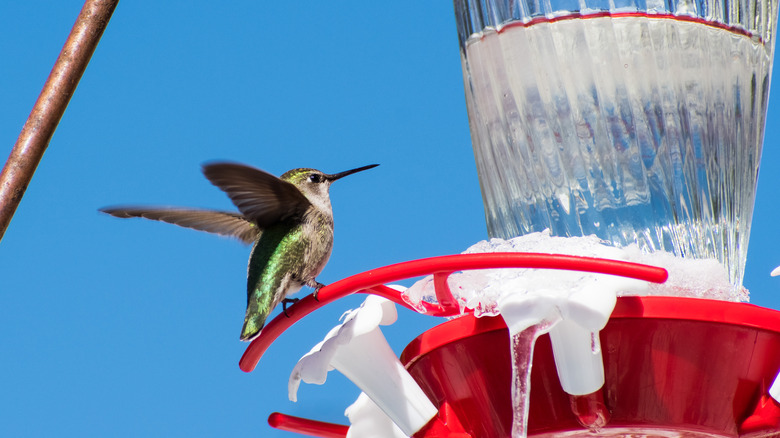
x=115, y=327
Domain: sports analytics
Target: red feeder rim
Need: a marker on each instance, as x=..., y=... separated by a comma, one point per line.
x=441, y=267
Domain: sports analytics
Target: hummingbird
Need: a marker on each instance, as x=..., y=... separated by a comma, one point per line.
x=289, y=221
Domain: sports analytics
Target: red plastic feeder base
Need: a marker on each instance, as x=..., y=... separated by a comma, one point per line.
x=673, y=366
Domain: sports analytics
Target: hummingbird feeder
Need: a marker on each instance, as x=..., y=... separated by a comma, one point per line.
x=664, y=361
x=636, y=124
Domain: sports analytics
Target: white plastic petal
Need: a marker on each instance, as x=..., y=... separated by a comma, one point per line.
x=313, y=367
x=374, y=311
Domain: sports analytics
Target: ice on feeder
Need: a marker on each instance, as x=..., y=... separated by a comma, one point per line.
x=694, y=278
x=522, y=345
x=481, y=289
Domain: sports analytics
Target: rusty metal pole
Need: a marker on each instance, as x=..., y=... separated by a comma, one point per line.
x=51, y=104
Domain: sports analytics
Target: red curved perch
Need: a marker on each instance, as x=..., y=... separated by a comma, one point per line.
x=373, y=282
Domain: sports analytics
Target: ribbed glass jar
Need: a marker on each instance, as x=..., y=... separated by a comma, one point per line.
x=639, y=122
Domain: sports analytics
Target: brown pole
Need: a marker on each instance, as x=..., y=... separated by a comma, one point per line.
x=51, y=104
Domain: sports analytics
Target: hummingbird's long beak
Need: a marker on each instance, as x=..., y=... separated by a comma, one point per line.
x=340, y=175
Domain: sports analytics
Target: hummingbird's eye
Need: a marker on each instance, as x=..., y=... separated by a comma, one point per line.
x=315, y=178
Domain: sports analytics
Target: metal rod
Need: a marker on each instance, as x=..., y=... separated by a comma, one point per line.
x=51, y=104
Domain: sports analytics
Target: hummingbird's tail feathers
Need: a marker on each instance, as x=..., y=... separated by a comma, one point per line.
x=261, y=300
x=223, y=223
x=252, y=328
x=252, y=337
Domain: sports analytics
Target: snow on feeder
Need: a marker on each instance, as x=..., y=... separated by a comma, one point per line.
x=621, y=140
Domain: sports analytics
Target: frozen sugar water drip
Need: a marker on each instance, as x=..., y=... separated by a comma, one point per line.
x=480, y=289
x=522, y=344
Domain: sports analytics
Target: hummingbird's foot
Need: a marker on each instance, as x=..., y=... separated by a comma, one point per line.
x=317, y=286
x=287, y=301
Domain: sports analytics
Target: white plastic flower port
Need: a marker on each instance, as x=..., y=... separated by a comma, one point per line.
x=358, y=349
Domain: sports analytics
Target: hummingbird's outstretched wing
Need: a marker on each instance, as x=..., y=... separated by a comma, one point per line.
x=217, y=222
x=260, y=196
